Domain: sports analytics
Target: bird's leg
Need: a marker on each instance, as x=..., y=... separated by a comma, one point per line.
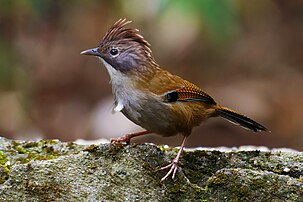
x=174, y=164
x=126, y=138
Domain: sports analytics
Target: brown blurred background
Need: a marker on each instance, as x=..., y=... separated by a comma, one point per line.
x=247, y=54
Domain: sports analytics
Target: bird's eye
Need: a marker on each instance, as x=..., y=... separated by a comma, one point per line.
x=114, y=52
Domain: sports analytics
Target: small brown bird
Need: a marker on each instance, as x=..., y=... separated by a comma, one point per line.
x=152, y=97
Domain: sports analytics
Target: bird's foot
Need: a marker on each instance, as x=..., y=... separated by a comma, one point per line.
x=126, y=138
x=119, y=140
x=173, y=169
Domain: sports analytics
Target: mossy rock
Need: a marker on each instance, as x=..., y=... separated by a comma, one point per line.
x=49, y=170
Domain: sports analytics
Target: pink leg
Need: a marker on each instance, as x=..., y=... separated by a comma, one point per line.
x=174, y=164
x=126, y=138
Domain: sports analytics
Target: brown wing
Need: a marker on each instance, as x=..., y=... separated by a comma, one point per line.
x=189, y=92
x=176, y=89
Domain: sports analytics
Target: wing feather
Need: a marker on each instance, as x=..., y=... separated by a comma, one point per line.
x=188, y=93
x=175, y=89
x=191, y=92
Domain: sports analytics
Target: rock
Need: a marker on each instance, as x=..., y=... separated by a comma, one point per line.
x=49, y=170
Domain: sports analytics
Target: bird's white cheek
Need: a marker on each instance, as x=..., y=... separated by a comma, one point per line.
x=111, y=71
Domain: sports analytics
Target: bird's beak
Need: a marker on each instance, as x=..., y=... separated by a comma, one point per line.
x=92, y=51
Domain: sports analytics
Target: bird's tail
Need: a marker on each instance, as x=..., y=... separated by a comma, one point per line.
x=239, y=119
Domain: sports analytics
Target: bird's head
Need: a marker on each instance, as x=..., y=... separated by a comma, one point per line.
x=123, y=49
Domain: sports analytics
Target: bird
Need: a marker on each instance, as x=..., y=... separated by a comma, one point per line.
x=152, y=97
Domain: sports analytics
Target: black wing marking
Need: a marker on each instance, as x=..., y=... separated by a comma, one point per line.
x=189, y=94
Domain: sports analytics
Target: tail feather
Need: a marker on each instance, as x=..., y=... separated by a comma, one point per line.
x=240, y=119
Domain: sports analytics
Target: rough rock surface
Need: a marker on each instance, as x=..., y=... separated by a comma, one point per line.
x=49, y=170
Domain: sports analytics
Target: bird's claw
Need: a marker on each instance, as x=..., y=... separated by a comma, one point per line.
x=173, y=169
x=126, y=138
x=120, y=140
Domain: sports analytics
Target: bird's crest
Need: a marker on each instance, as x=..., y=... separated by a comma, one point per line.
x=118, y=31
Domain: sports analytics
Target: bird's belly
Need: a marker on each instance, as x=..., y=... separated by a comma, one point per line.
x=152, y=118
x=165, y=119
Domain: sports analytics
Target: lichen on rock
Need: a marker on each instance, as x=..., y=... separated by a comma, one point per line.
x=49, y=170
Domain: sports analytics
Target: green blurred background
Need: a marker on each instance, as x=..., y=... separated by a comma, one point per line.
x=247, y=54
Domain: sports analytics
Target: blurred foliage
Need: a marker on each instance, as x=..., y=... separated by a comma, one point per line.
x=219, y=17
x=7, y=69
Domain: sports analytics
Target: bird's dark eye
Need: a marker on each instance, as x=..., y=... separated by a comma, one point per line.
x=114, y=52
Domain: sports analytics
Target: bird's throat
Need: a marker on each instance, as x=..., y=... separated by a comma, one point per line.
x=113, y=73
